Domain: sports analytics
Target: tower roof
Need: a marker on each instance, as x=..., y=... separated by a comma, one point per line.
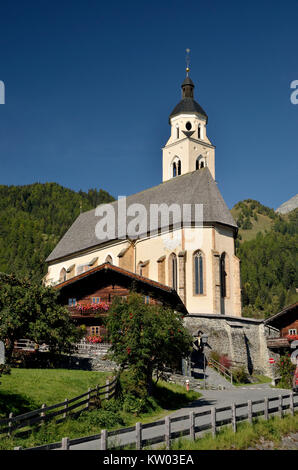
x=188, y=105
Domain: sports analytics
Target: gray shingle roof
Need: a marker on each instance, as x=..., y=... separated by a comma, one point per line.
x=197, y=187
x=188, y=105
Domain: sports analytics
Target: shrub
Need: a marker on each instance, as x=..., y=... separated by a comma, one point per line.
x=225, y=361
x=240, y=375
x=285, y=369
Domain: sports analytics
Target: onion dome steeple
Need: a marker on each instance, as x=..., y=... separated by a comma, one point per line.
x=188, y=105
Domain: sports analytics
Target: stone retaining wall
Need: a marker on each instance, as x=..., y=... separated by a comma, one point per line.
x=243, y=340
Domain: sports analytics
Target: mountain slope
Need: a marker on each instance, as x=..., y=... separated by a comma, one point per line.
x=288, y=206
x=267, y=246
x=32, y=220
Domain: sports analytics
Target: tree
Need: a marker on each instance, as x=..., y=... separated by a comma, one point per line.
x=29, y=310
x=146, y=338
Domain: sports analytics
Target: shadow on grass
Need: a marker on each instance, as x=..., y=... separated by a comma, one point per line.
x=171, y=399
x=16, y=404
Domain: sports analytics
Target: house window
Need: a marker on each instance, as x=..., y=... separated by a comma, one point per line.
x=95, y=300
x=95, y=330
x=72, y=302
x=199, y=273
x=292, y=331
x=146, y=299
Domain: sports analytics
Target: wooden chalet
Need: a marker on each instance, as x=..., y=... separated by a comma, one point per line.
x=286, y=322
x=87, y=295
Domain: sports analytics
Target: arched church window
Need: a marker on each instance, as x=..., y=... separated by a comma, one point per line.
x=174, y=169
x=198, y=261
x=177, y=132
x=223, y=274
x=109, y=259
x=140, y=268
x=173, y=271
x=199, y=132
x=179, y=167
x=62, y=276
x=200, y=162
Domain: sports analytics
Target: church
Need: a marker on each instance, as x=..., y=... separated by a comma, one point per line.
x=194, y=260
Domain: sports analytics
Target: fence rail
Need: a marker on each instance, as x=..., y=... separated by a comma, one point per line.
x=100, y=348
x=192, y=428
x=45, y=413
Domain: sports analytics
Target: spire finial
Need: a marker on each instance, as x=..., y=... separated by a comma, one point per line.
x=187, y=61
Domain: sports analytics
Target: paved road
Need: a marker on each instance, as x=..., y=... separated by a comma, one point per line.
x=209, y=398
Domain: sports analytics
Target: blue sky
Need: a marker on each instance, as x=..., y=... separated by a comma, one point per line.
x=90, y=86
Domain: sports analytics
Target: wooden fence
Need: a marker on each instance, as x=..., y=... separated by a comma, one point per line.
x=45, y=413
x=192, y=425
x=98, y=348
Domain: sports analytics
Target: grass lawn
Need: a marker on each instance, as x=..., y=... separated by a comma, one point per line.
x=27, y=389
x=259, y=379
x=35, y=387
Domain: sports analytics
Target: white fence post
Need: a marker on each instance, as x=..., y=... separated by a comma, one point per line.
x=65, y=443
x=104, y=439
x=249, y=411
x=42, y=414
x=88, y=397
x=108, y=389
x=233, y=410
x=213, y=421
x=10, y=423
x=168, y=431
x=280, y=406
x=138, y=436
x=266, y=408
x=192, y=430
x=65, y=407
x=292, y=403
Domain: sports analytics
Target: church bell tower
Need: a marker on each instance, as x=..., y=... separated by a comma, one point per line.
x=188, y=148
